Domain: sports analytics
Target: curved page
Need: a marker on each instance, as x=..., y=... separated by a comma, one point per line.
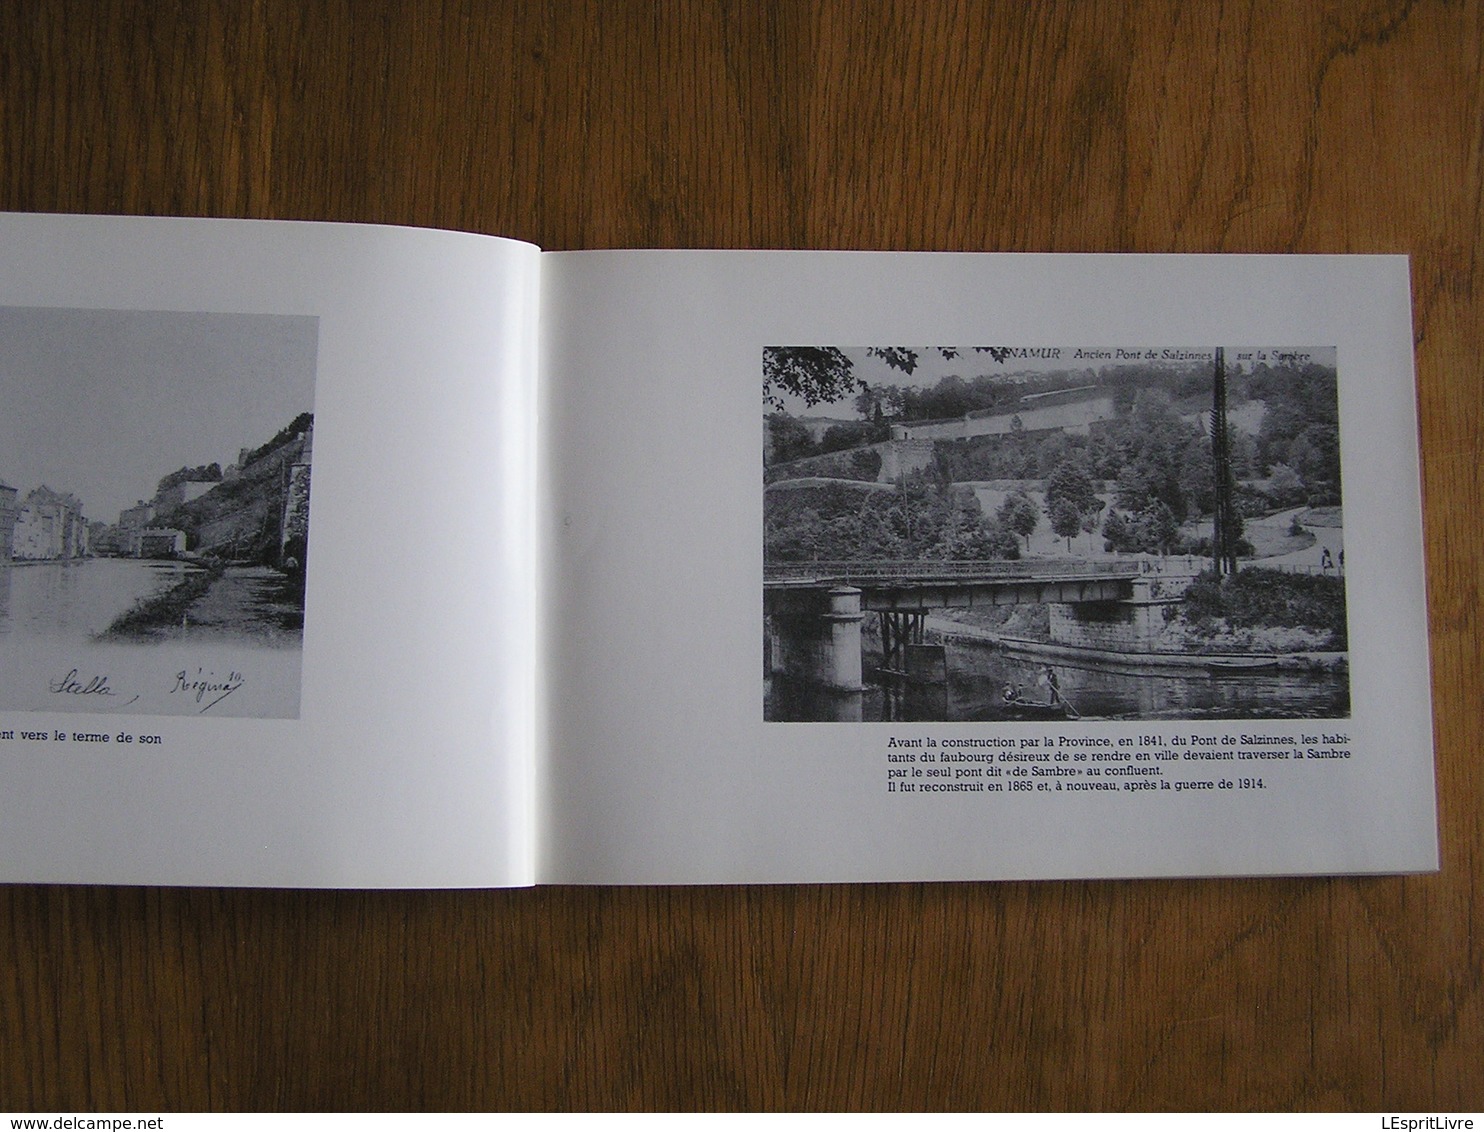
x=908, y=566
x=264, y=552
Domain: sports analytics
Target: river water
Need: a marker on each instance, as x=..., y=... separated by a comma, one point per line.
x=53, y=660
x=977, y=675
x=75, y=600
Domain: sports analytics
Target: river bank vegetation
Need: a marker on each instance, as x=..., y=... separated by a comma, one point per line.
x=153, y=617
x=1258, y=610
x=1256, y=600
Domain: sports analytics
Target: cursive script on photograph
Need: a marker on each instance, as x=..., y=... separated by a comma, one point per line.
x=77, y=684
x=205, y=684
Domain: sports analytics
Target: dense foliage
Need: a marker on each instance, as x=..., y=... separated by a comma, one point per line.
x=822, y=374
x=817, y=374
x=832, y=522
x=1141, y=478
x=1020, y=514
x=954, y=396
x=299, y=425
x=1301, y=428
x=204, y=473
x=1152, y=530
x=790, y=439
x=1257, y=599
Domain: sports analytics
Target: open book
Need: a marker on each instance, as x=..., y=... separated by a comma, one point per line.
x=350, y=556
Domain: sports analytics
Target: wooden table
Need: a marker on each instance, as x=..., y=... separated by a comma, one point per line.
x=1335, y=127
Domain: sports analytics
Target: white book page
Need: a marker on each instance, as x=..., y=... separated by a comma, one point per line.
x=372, y=728
x=660, y=764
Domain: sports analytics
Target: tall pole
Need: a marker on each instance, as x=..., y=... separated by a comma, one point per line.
x=1224, y=540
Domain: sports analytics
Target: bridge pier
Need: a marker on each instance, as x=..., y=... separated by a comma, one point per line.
x=817, y=637
x=815, y=640
x=1129, y=624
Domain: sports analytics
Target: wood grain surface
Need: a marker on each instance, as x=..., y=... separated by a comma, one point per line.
x=1314, y=127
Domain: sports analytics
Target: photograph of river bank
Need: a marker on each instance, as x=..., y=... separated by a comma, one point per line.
x=1050, y=533
x=154, y=510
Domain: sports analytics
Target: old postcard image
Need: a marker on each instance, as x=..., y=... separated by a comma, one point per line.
x=154, y=510
x=994, y=533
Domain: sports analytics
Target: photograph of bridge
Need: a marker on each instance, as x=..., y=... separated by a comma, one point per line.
x=1039, y=533
x=154, y=509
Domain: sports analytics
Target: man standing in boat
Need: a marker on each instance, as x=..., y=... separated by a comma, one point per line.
x=1053, y=687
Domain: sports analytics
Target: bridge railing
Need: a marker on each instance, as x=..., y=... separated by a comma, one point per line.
x=919, y=570
x=1303, y=568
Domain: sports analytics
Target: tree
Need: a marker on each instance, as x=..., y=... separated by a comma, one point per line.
x=902, y=358
x=1091, y=516
x=820, y=374
x=1160, y=528
x=792, y=536
x=1197, y=477
x=841, y=436
x=789, y=439
x=966, y=535
x=1070, y=481
x=880, y=430
x=1020, y=514
x=816, y=374
x=1119, y=533
x=1066, y=520
x=1071, y=499
x=879, y=402
x=1286, y=486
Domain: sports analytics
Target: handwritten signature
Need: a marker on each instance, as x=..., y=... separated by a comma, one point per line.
x=204, y=684
x=74, y=684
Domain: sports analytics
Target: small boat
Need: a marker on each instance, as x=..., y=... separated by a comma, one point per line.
x=1024, y=709
x=1017, y=708
x=1241, y=665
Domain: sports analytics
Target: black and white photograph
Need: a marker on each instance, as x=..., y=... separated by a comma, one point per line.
x=991, y=533
x=154, y=510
